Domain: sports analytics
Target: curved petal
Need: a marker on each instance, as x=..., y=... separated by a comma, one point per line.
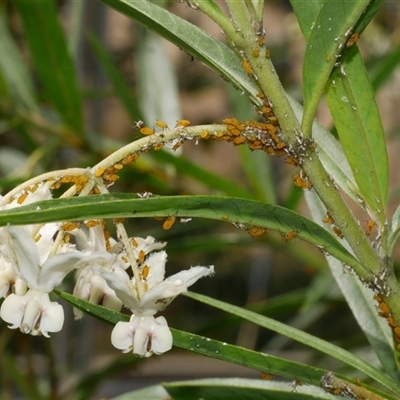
x=122, y=335
x=162, y=336
x=192, y=275
x=23, y=254
x=12, y=310
x=156, y=263
x=52, y=317
x=120, y=282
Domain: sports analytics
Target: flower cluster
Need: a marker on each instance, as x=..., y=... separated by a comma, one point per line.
x=129, y=272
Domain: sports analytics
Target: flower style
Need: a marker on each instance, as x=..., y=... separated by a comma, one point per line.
x=33, y=312
x=144, y=334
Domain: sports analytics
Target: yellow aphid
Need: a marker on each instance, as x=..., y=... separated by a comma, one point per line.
x=134, y=242
x=225, y=217
x=142, y=256
x=256, y=52
x=161, y=124
x=99, y=172
x=110, y=177
x=168, y=223
x=146, y=131
x=205, y=135
x=22, y=198
x=91, y=223
x=145, y=272
x=67, y=238
x=352, y=39
x=118, y=166
x=69, y=226
x=291, y=235
x=182, y=123
x=38, y=237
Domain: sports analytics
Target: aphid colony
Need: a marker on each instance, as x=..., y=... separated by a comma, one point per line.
x=385, y=312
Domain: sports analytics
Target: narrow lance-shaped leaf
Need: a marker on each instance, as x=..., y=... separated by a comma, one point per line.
x=13, y=69
x=121, y=87
x=352, y=103
x=190, y=38
x=305, y=338
x=50, y=55
x=245, y=214
x=214, y=348
x=328, y=36
x=361, y=303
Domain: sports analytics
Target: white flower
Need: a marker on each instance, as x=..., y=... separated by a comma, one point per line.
x=33, y=313
x=90, y=285
x=142, y=335
x=9, y=281
x=159, y=293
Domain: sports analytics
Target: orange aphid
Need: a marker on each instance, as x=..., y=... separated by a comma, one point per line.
x=146, y=131
x=352, y=39
x=338, y=232
x=168, y=223
x=328, y=219
x=158, y=146
x=256, y=52
x=256, y=231
x=177, y=145
x=370, y=226
x=247, y=67
x=261, y=41
x=291, y=235
x=291, y=161
x=266, y=376
x=300, y=182
x=384, y=310
x=239, y=140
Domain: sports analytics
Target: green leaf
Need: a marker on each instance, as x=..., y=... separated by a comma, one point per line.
x=244, y=213
x=305, y=338
x=191, y=39
x=213, y=348
x=240, y=388
x=13, y=69
x=385, y=67
x=121, y=87
x=328, y=36
x=352, y=103
x=331, y=154
x=157, y=81
x=361, y=303
x=49, y=52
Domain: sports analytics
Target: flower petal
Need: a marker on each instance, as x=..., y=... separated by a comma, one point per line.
x=12, y=310
x=143, y=335
x=156, y=263
x=192, y=275
x=23, y=254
